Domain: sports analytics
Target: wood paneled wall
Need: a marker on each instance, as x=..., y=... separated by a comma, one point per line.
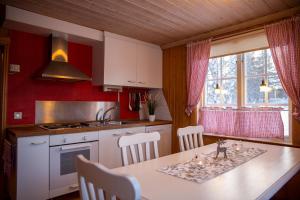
x=174, y=87
x=295, y=131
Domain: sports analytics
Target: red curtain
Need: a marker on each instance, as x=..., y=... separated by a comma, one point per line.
x=284, y=41
x=197, y=66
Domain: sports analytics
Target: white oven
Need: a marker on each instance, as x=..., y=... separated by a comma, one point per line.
x=63, y=152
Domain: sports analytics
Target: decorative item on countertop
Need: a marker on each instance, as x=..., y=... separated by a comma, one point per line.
x=220, y=148
x=151, y=104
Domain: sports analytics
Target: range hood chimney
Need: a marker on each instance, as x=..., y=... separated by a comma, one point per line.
x=59, y=68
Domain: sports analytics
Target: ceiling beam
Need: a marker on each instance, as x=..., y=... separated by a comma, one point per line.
x=251, y=25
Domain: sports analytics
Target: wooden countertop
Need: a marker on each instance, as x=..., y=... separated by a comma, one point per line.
x=31, y=130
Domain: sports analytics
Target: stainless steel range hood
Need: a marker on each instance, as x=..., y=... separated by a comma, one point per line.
x=59, y=68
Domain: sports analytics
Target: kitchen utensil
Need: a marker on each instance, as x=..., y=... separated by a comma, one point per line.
x=140, y=97
x=129, y=104
x=136, y=102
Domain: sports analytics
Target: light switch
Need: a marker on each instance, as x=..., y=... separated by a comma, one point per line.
x=18, y=115
x=13, y=68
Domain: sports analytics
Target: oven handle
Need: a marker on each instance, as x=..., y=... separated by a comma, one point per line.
x=75, y=146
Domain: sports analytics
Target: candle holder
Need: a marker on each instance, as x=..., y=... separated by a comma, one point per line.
x=238, y=146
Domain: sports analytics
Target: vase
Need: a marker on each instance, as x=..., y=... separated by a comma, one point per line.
x=151, y=118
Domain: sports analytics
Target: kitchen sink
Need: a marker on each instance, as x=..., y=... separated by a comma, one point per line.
x=113, y=122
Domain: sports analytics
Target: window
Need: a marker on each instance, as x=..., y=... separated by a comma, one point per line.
x=246, y=70
x=258, y=66
x=222, y=71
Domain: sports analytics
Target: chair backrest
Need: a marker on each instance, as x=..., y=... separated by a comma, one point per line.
x=190, y=137
x=138, y=139
x=99, y=183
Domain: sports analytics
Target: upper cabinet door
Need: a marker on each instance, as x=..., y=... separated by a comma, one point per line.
x=119, y=62
x=149, y=66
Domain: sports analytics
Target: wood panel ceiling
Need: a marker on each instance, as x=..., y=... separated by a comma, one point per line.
x=156, y=21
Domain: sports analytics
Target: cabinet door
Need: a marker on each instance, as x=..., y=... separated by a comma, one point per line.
x=164, y=145
x=33, y=168
x=149, y=66
x=119, y=62
x=109, y=151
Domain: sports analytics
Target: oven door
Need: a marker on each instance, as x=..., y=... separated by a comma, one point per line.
x=63, y=176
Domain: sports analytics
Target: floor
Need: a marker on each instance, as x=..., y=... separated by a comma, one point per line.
x=71, y=196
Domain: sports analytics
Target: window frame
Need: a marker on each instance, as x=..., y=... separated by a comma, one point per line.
x=241, y=78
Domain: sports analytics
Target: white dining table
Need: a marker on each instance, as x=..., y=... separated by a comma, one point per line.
x=258, y=178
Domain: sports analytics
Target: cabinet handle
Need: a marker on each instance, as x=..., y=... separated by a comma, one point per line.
x=156, y=130
x=38, y=143
x=75, y=146
x=115, y=135
x=129, y=133
x=131, y=81
x=141, y=82
x=72, y=187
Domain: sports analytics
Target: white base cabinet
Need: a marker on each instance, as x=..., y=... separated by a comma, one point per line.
x=165, y=143
x=33, y=168
x=33, y=160
x=109, y=151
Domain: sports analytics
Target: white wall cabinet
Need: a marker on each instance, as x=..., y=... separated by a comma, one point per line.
x=165, y=143
x=149, y=66
x=119, y=62
x=109, y=151
x=127, y=62
x=33, y=168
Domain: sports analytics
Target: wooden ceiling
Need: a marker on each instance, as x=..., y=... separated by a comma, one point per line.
x=157, y=21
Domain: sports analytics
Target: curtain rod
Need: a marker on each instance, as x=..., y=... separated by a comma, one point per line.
x=238, y=29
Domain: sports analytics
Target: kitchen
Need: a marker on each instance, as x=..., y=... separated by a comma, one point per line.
x=74, y=89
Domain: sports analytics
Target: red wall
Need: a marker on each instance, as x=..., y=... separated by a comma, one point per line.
x=31, y=52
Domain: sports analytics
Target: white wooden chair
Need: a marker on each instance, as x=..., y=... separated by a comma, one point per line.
x=99, y=183
x=190, y=137
x=137, y=140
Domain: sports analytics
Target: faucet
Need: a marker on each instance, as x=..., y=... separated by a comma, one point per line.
x=104, y=119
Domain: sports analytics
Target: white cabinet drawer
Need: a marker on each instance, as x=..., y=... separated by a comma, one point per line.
x=73, y=138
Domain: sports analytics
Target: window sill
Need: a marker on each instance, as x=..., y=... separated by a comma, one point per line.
x=272, y=141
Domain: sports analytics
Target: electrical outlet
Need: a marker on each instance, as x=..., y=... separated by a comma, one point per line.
x=18, y=115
